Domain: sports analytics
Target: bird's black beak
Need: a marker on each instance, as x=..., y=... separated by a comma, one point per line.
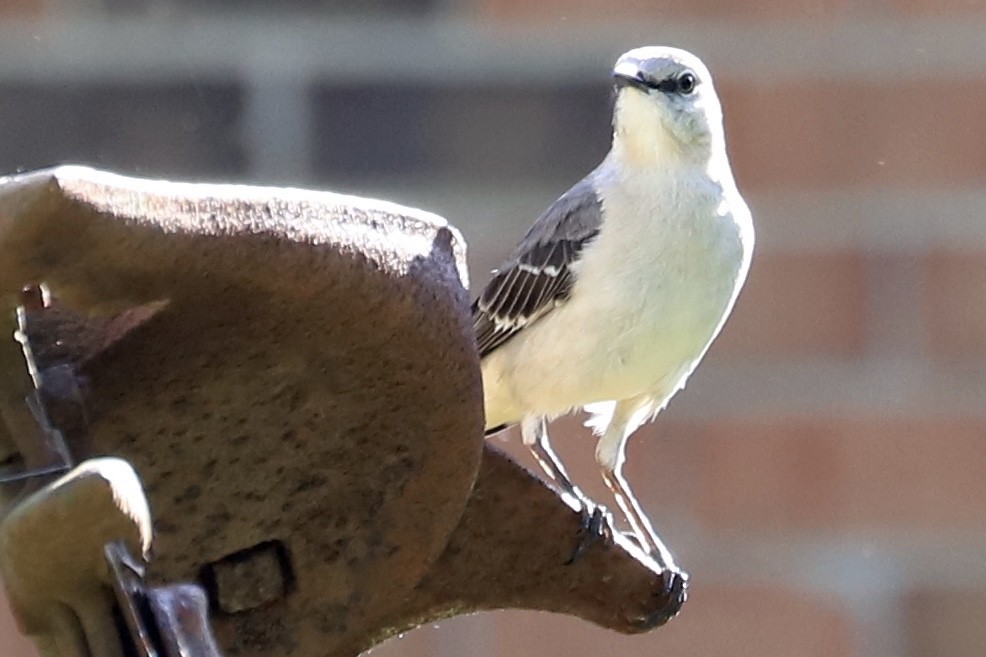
x=627, y=74
x=627, y=79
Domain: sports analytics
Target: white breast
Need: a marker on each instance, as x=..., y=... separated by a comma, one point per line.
x=670, y=264
x=652, y=292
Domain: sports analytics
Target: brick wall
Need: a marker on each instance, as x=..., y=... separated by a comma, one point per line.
x=823, y=476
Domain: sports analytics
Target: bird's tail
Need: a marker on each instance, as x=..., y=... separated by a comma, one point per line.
x=601, y=414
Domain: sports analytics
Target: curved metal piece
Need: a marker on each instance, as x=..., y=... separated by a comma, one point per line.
x=312, y=379
x=182, y=615
x=511, y=551
x=52, y=558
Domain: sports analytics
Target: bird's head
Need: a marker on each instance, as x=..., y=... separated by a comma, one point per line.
x=666, y=106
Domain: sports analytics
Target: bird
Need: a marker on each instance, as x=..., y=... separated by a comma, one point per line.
x=616, y=292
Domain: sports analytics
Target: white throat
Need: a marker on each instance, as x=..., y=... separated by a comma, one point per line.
x=643, y=137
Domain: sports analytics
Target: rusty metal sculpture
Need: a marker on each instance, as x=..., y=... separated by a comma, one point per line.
x=292, y=376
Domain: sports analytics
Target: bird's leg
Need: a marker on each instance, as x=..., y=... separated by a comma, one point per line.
x=610, y=454
x=534, y=433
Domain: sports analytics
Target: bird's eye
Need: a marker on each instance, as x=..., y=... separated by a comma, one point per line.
x=686, y=83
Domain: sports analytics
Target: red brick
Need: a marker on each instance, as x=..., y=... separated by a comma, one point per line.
x=12, y=642
x=733, y=622
x=937, y=7
x=783, y=474
x=799, y=304
x=592, y=10
x=955, y=304
x=22, y=8
x=824, y=133
x=946, y=622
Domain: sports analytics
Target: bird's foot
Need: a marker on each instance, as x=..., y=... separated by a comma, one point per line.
x=596, y=525
x=670, y=593
x=674, y=588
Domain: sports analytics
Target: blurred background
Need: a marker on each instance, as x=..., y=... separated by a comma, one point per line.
x=823, y=476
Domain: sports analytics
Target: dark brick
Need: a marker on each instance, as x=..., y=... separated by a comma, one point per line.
x=174, y=129
x=346, y=7
x=370, y=131
x=476, y=133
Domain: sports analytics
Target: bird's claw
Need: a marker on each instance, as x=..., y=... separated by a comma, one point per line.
x=596, y=525
x=670, y=593
x=674, y=587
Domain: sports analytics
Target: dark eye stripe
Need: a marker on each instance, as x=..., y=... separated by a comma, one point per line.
x=667, y=86
x=683, y=84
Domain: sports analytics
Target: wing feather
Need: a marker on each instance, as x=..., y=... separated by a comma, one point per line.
x=538, y=275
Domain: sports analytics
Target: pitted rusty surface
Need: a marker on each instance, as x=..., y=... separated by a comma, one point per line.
x=303, y=379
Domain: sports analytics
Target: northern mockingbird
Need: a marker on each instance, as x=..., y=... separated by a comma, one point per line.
x=617, y=290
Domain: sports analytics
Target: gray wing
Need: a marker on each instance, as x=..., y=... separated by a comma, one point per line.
x=538, y=276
